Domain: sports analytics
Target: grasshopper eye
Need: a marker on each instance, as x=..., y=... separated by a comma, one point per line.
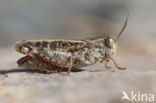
x=109, y=42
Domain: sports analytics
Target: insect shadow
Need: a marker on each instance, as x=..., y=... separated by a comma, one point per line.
x=16, y=70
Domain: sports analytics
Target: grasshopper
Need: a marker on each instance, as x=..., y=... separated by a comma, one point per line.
x=52, y=56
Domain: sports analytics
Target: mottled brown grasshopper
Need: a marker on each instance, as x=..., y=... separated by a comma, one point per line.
x=53, y=55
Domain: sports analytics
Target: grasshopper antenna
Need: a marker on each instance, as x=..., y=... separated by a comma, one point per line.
x=125, y=24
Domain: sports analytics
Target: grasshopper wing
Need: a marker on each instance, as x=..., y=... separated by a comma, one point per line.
x=62, y=45
x=51, y=52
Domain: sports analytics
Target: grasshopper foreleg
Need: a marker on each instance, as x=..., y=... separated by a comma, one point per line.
x=116, y=65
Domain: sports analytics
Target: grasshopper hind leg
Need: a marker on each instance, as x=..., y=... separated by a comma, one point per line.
x=40, y=66
x=48, y=71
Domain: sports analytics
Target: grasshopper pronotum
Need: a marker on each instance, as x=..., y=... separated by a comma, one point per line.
x=54, y=55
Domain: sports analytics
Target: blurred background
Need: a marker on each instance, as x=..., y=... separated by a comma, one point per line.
x=80, y=19
x=75, y=19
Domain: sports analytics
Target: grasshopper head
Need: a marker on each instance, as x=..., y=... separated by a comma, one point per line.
x=111, y=42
